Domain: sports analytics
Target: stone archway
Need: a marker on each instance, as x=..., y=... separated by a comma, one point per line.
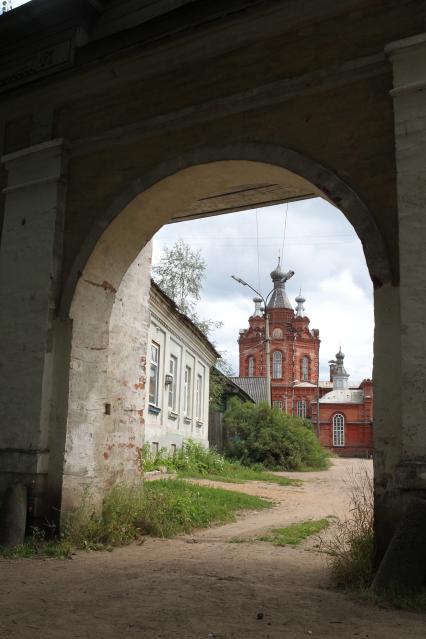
x=106, y=293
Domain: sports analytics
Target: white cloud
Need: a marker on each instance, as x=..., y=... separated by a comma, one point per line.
x=320, y=246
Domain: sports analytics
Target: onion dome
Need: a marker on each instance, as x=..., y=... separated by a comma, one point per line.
x=257, y=306
x=300, y=311
x=279, y=297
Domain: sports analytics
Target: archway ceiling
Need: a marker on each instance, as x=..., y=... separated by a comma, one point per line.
x=244, y=196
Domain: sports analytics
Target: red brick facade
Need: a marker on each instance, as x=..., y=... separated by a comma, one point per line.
x=294, y=351
x=350, y=435
x=345, y=422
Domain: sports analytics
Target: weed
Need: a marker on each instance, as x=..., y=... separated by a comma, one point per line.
x=163, y=508
x=195, y=461
x=350, y=546
x=295, y=533
x=36, y=546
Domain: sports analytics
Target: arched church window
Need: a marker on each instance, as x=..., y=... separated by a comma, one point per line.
x=338, y=430
x=251, y=366
x=304, y=369
x=301, y=408
x=277, y=367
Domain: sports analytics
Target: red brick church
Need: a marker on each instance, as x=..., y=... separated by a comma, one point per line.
x=344, y=421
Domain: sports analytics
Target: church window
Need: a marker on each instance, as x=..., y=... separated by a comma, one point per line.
x=304, y=369
x=338, y=430
x=277, y=365
x=301, y=408
x=277, y=404
x=250, y=366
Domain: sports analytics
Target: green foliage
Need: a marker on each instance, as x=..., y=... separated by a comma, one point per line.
x=36, y=545
x=162, y=508
x=295, y=533
x=217, y=385
x=265, y=435
x=350, y=546
x=194, y=460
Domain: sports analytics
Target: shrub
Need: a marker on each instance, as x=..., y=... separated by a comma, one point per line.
x=350, y=545
x=259, y=434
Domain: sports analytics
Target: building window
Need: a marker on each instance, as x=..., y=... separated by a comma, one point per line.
x=301, y=408
x=304, y=369
x=199, y=398
x=187, y=399
x=173, y=386
x=250, y=366
x=277, y=365
x=277, y=404
x=338, y=430
x=154, y=373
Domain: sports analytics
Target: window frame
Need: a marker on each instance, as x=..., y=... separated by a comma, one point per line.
x=338, y=430
x=304, y=369
x=277, y=365
x=172, y=394
x=199, y=397
x=250, y=366
x=301, y=404
x=154, y=365
x=187, y=395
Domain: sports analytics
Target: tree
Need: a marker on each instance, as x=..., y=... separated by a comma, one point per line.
x=180, y=274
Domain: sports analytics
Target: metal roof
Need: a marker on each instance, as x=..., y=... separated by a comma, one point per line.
x=255, y=387
x=343, y=396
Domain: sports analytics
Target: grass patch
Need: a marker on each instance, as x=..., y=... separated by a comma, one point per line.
x=237, y=474
x=295, y=533
x=36, y=546
x=162, y=508
x=195, y=461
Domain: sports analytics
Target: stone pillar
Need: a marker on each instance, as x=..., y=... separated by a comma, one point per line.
x=408, y=58
x=30, y=255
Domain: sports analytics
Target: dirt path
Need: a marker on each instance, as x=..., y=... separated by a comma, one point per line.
x=201, y=586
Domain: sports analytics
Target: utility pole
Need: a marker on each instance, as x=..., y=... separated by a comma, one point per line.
x=266, y=341
x=267, y=356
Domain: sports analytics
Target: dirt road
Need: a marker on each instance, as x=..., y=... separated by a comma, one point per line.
x=201, y=586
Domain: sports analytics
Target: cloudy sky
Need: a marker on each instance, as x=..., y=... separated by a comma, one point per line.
x=320, y=246
x=15, y=3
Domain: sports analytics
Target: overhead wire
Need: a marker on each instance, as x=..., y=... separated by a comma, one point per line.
x=258, y=251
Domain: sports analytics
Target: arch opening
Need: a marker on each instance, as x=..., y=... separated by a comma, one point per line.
x=108, y=353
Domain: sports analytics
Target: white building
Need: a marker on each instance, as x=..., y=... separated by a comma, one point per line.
x=178, y=370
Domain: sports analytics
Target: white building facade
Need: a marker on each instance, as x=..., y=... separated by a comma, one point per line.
x=178, y=366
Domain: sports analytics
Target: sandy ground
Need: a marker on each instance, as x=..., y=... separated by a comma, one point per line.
x=201, y=586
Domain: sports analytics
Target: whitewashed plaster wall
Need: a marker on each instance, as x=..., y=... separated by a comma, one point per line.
x=105, y=429
x=167, y=427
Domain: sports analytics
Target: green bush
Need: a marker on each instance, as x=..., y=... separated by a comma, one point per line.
x=195, y=461
x=259, y=434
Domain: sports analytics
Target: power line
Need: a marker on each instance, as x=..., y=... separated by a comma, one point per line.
x=258, y=252
x=285, y=228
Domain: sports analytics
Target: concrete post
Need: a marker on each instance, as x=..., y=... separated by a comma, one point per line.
x=409, y=93
x=30, y=257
